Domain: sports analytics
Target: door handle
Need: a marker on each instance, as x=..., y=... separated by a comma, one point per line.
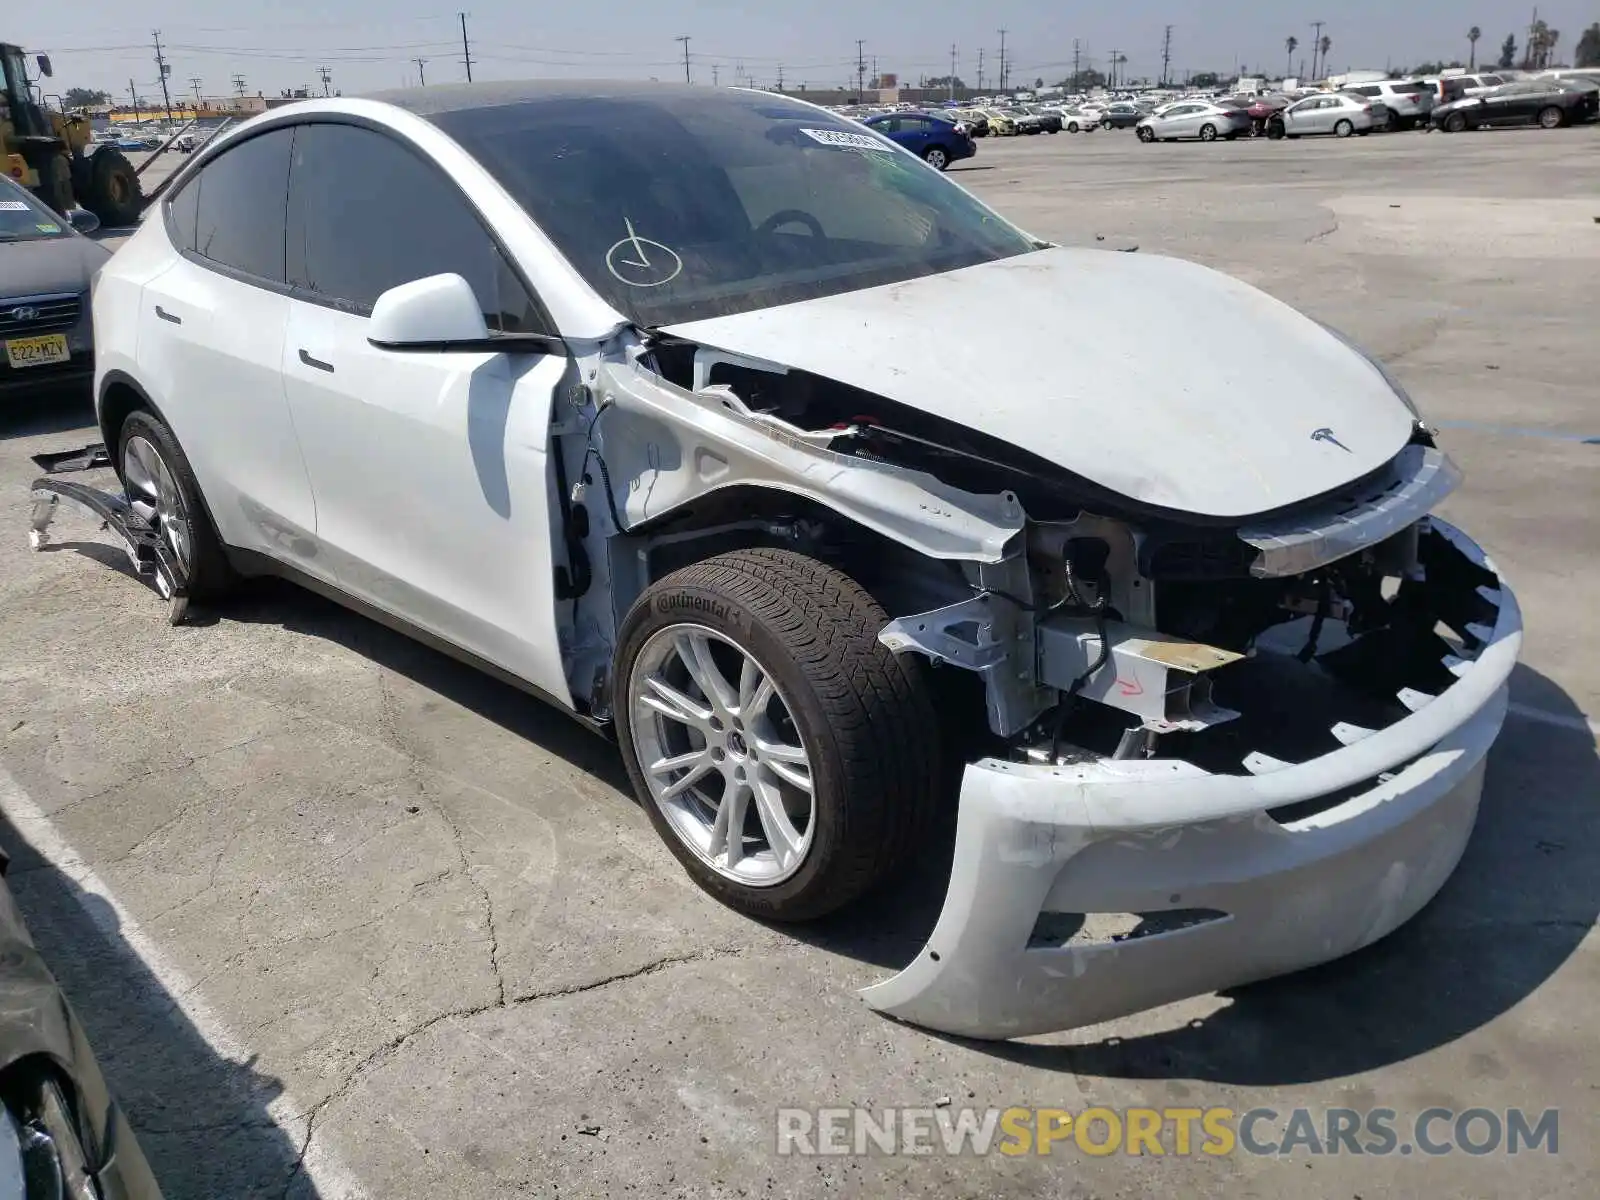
x=315, y=362
x=166, y=316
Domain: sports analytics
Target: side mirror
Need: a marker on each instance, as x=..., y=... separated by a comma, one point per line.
x=440, y=314
x=45, y=68
x=83, y=220
x=428, y=314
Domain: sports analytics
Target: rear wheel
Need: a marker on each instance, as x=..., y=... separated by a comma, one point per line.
x=936, y=157
x=113, y=189
x=1455, y=123
x=162, y=489
x=1552, y=118
x=1146, y=134
x=785, y=756
x=1344, y=129
x=1073, y=128
x=1208, y=133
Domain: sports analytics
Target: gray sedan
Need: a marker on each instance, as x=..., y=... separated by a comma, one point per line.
x=1336, y=113
x=46, y=339
x=1195, y=119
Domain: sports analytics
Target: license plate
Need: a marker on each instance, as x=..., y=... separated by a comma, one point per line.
x=37, y=351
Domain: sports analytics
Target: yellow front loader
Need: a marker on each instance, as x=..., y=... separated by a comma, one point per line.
x=50, y=153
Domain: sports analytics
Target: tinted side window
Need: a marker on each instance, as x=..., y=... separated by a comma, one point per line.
x=366, y=214
x=183, y=211
x=240, y=211
x=1367, y=91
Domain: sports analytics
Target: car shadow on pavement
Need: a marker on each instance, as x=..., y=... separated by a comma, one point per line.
x=54, y=410
x=1525, y=896
x=200, y=1118
x=274, y=602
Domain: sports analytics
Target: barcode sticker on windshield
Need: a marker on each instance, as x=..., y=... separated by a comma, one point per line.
x=846, y=141
x=13, y=206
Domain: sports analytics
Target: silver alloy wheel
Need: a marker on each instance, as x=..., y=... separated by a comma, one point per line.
x=716, y=738
x=937, y=159
x=154, y=495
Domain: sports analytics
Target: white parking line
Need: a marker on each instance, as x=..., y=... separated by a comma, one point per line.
x=1559, y=720
x=331, y=1179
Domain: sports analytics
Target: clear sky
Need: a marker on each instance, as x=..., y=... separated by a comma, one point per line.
x=369, y=44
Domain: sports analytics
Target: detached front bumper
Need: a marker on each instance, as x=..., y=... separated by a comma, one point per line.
x=1175, y=882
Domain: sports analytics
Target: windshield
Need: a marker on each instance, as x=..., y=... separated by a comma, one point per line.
x=24, y=219
x=676, y=206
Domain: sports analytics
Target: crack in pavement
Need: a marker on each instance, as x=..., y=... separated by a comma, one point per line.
x=1326, y=233
x=392, y=1047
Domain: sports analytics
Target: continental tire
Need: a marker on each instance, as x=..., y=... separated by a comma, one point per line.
x=728, y=673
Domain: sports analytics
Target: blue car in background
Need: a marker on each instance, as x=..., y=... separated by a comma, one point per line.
x=934, y=139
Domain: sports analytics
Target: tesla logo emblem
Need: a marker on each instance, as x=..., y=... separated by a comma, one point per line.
x=24, y=312
x=1326, y=435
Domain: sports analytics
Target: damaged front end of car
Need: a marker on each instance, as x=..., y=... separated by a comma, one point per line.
x=1217, y=750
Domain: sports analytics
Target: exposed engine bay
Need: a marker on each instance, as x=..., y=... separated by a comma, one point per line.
x=1102, y=628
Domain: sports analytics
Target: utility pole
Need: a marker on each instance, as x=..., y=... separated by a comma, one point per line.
x=194, y=82
x=164, y=69
x=134, y=97
x=1166, y=55
x=780, y=77
x=861, y=69
x=685, y=40
x=980, y=70
x=1077, y=64
x=716, y=70
x=1003, y=60
x=238, y=85
x=1316, y=47
x=466, y=46
x=422, y=76
x=1116, y=56
x=952, y=70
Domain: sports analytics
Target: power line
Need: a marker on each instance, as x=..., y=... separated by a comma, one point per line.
x=466, y=46
x=685, y=40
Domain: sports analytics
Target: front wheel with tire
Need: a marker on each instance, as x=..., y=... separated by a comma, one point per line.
x=1146, y=134
x=1455, y=123
x=785, y=756
x=1208, y=133
x=1344, y=129
x=936, y=157
x=161, y=489
x=1073, y=128
x=1276, y=131
x=1551, y=118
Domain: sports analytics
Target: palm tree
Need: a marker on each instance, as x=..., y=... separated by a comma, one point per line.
x=1327, y=44
x=1473, y=35
x=1293, y=44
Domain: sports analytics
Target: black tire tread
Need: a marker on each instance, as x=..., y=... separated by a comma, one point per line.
x=876, y=706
